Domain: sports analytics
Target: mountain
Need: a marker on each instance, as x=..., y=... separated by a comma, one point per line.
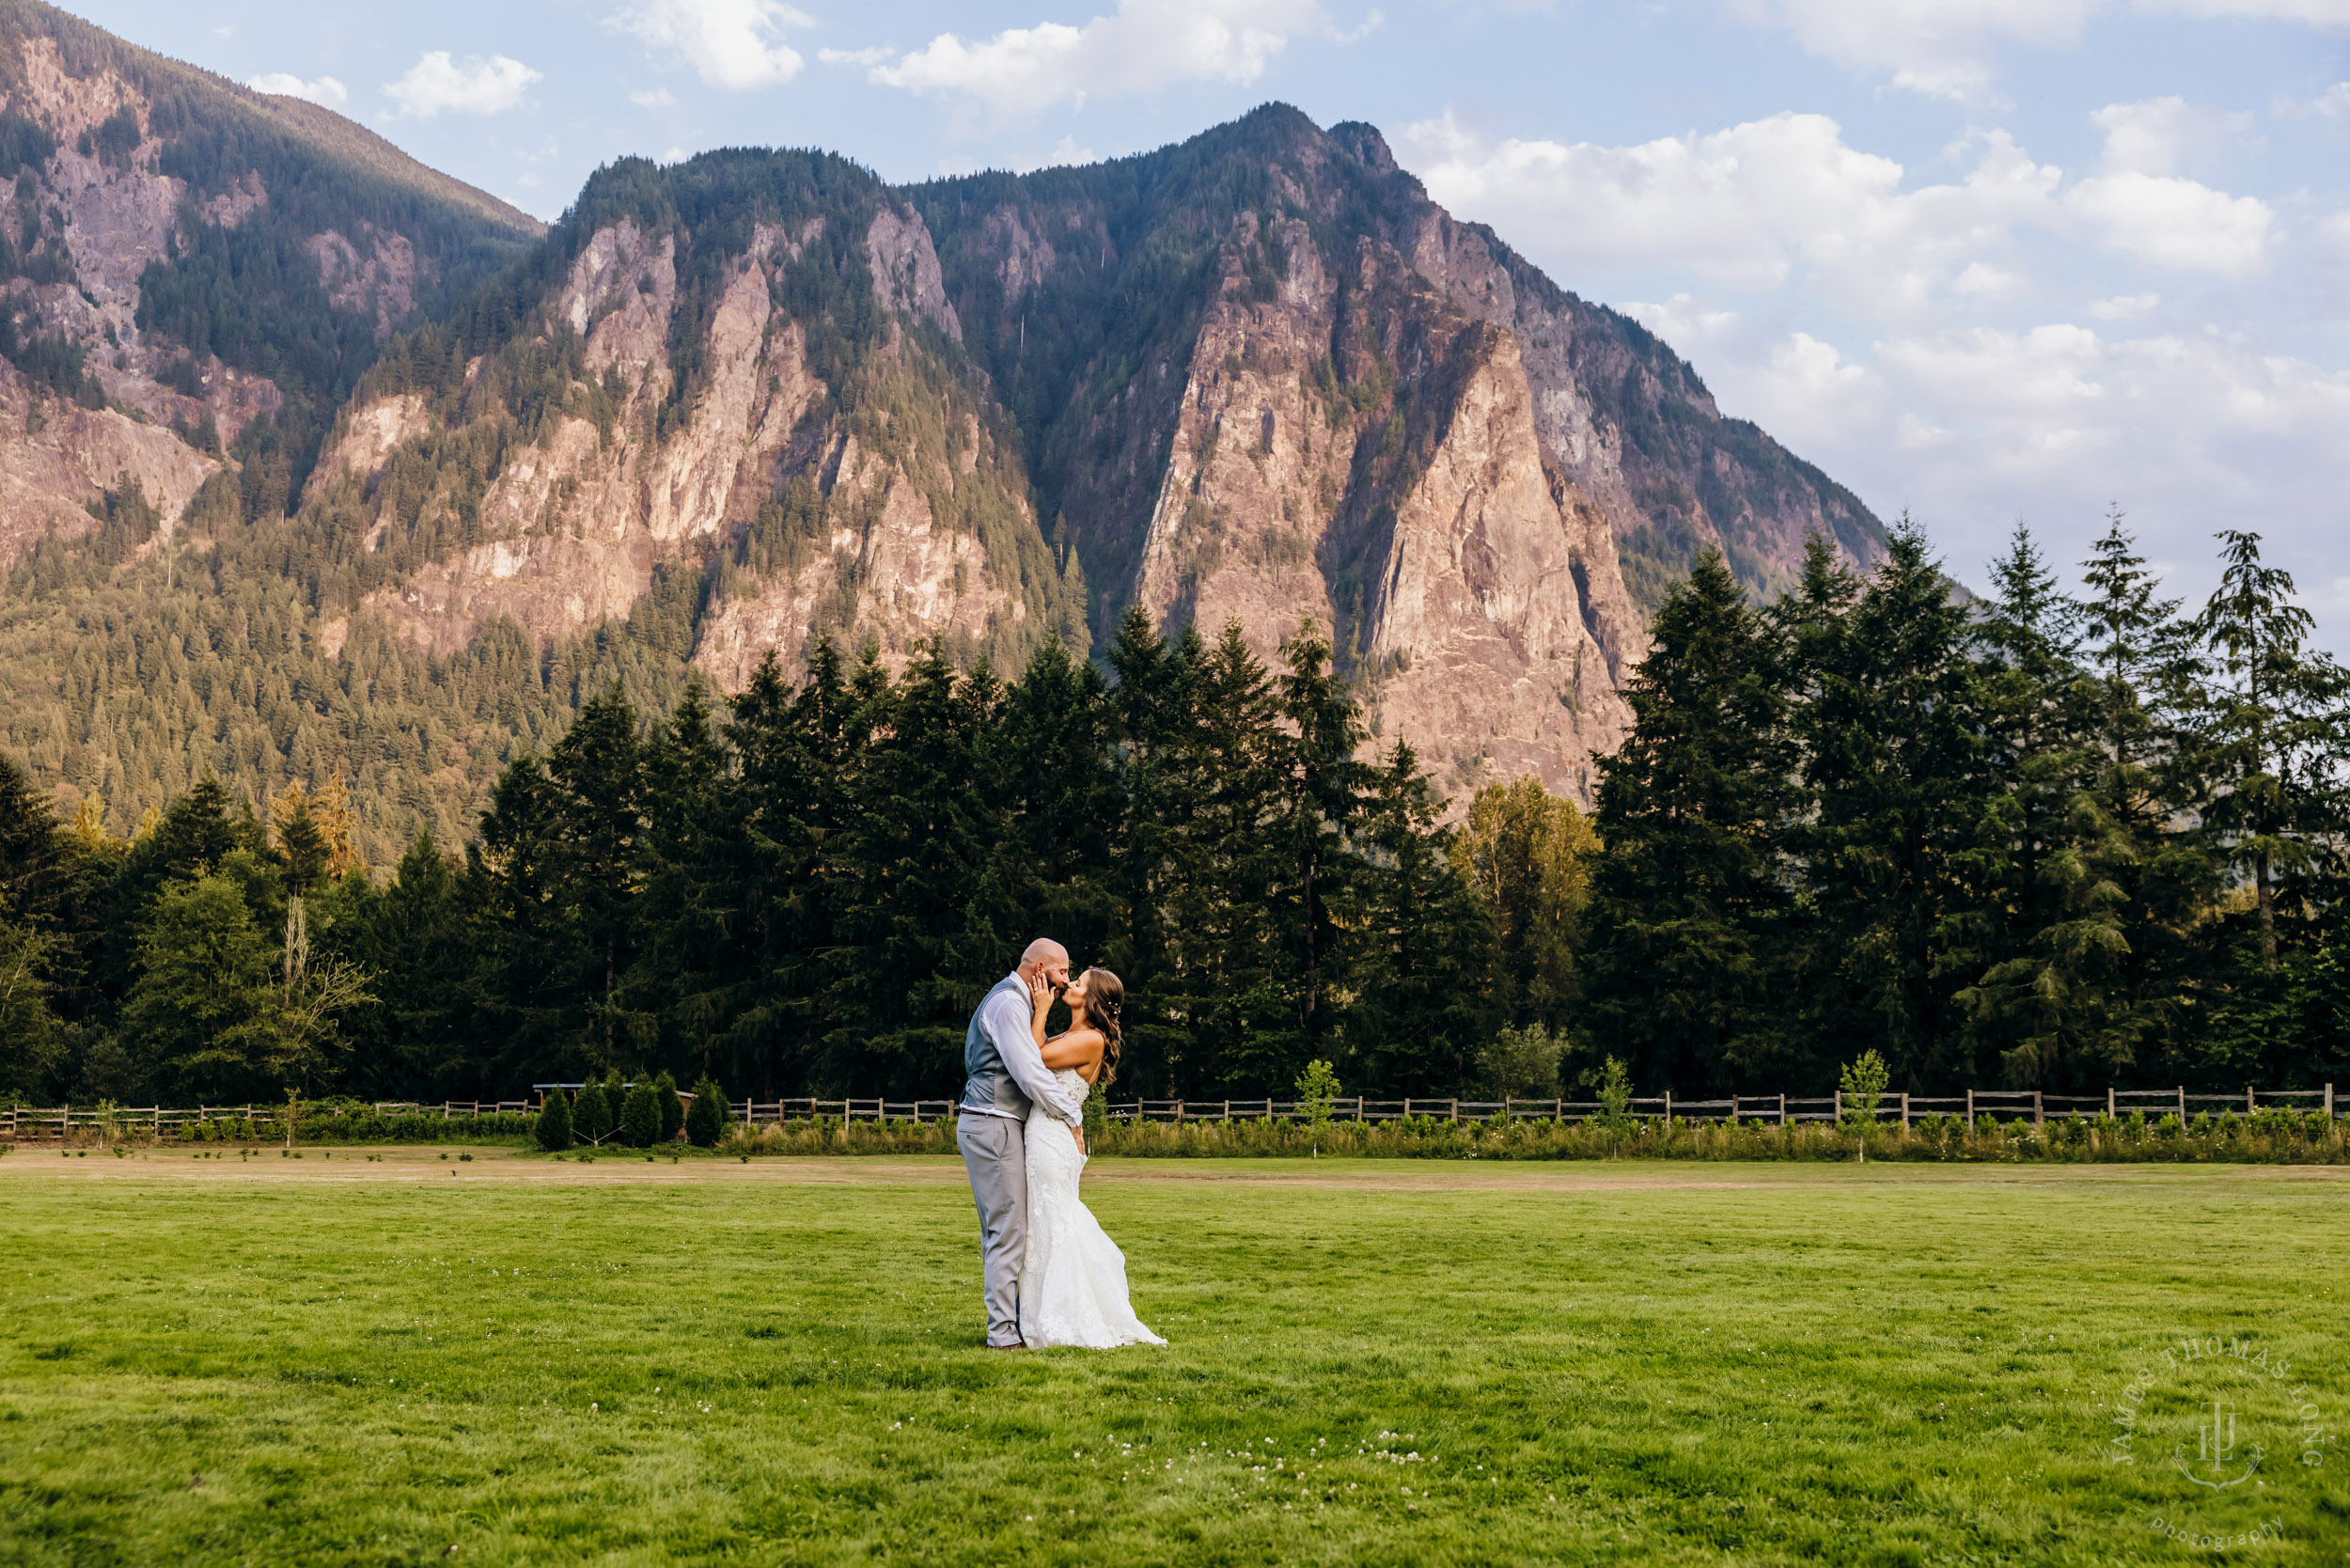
x=396, y=483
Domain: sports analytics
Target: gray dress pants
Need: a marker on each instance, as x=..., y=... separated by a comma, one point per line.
x=994, y=1151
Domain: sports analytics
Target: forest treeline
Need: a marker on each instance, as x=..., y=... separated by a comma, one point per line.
x=2051, y=839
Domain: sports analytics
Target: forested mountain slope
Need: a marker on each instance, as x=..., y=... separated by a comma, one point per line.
x=398, y=518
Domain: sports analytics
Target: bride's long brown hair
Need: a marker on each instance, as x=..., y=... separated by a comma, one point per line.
x=1105, y=999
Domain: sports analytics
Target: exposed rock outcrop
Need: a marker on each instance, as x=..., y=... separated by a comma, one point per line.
x=56, y=457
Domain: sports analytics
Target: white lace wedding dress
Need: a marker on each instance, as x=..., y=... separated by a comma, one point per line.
x=1073, y=1287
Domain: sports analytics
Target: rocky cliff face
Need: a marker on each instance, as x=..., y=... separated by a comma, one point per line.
x=871, y=501
x=109, y=198
x=732, y=406
x=1470, y=595
x=1303, y=390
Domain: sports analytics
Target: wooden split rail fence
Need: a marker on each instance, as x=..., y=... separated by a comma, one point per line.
x=1775, y=1109
x=28, y=1125
x=34, y=1124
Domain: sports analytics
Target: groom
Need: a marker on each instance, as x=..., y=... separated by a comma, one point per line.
x=1007, y=1073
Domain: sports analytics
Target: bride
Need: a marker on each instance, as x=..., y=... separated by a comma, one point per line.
x=1073, y=1286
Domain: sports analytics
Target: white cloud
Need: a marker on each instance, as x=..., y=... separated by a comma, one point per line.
x=325, y=90
x=1754, y=205
x=1949, y=48
x=1941, y=48
x=1147, y=45
x=653, y=98
x=2124, y=308
x=862, y=57
x=1682, y=321
x=736, y=44
x=1983, y=281
x=1065, y=153
x=1971, y=426
x=2176, y=223
x=479, y=86
x=2334, y=103
x=2166, y=136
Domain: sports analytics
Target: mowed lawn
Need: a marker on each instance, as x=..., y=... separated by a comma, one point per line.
x=511, y=1359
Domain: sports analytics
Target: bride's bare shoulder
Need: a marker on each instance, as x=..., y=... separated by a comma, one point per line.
x=1077, y=1048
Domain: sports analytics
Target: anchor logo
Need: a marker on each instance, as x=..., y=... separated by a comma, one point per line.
x=2215, y=1446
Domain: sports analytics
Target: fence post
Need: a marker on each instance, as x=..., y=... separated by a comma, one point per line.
x=1228, y=1110
x=1905, y=1113
x=2108, y=1103
x=1783, y=1110
x=1559, y=1109
x=1407, y=1107
x=1669, y=1108
x=1456, y=1110
x=2037, y=1118
x=1839, y=1106
x=2183, y=1105
x=1970, y=1110
x=2330, y=1101
x=2250, y=1107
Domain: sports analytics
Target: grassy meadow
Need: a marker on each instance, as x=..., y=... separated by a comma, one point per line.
x=399, y=1357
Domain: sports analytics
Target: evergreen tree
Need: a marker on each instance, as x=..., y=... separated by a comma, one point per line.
x=416, y=938
x=1322, y=795
x=688, y=928
x=673, y=1109
x=200, y=1019
x=32, y=1053
x=33, y=870
x=899, y=1001
x=1153, y=852
x=527, y=952
x=1050, y=789
x=1692, y=917
x=1227, y=974
x=598, y=786
x=2041, y=924
x=1423, y=951
x=2268, y=737
x=778, y=862
x=592, y=1113
x=2144, y=672
x=555, y=1121
x=1528, y=853
x=640, y=1116
x=706, y=1117
x=1893, y=756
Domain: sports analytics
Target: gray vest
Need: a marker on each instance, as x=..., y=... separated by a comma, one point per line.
x=990, y=1088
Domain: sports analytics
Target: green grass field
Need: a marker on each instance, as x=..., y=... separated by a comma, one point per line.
x=511, y=1360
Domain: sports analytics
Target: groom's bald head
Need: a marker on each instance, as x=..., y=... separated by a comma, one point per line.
x=1047, y=957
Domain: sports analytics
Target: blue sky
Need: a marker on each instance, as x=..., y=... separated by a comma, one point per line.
x=1988, y=260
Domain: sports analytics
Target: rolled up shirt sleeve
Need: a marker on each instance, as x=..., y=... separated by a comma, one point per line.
x=1008, y=1024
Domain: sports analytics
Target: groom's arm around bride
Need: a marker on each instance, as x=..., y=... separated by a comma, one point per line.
x=1005, y=1076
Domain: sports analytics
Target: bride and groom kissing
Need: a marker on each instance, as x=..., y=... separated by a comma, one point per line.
x=1052, y=1276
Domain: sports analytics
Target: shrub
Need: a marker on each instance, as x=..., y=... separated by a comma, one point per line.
x=555, y=1121
x=640, y=1117
x=1614, y=1095
x=591, y=1114
x=672, y=1112
x=1316, y=1088
x=1522, y=1064
x=706, y=1118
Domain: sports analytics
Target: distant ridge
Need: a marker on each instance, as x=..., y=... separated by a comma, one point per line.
x=84, y=44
